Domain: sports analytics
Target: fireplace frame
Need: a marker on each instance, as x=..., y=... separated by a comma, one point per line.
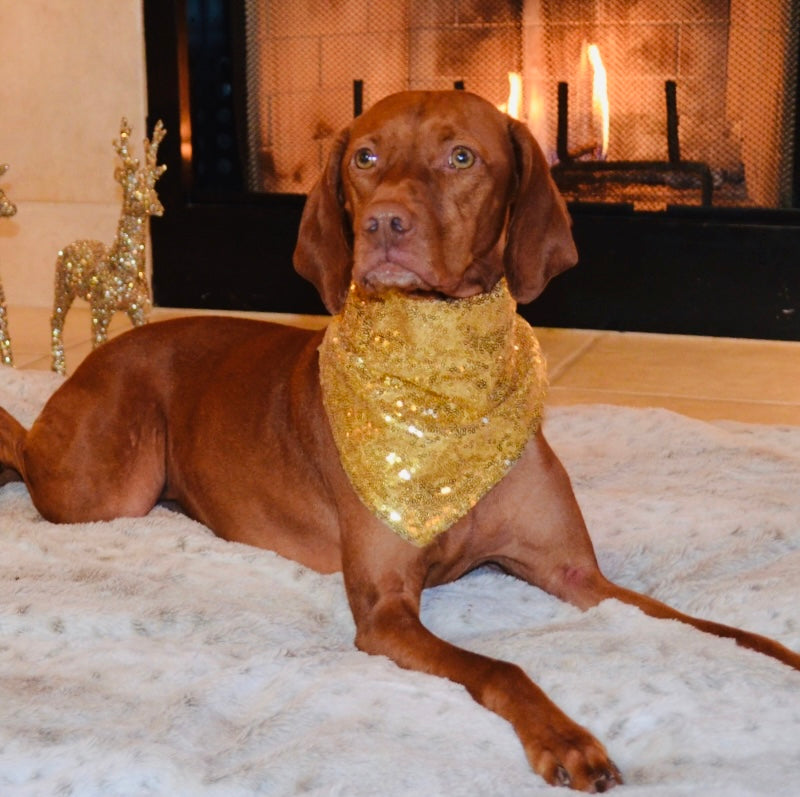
x=730, y=272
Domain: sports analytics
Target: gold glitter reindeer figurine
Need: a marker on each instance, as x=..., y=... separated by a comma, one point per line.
x=112, y=278
x=6, y=209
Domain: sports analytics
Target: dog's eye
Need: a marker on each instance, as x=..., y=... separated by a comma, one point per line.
x=461, y=158
x=365, y=158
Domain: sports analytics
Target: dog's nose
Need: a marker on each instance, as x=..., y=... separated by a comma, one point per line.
x=388, y=218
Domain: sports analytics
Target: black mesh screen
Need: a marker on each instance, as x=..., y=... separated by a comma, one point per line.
x=701, y=93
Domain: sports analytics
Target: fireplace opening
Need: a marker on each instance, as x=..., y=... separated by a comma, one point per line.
x=651, y=103
x=671, y=127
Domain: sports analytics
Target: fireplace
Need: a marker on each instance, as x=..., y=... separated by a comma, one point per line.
x=671, y=127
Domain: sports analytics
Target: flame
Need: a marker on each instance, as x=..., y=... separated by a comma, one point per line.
x=600, y=113
x=514, y=103
x=514, y=94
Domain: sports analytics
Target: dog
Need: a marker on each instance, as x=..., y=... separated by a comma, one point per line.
x=430, y=203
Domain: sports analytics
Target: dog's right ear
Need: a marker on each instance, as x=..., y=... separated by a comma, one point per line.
x=324, y=251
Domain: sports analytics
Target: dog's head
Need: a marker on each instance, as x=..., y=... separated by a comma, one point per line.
x=434, y=192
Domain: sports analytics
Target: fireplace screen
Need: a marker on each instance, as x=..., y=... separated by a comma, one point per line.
x=648, y=103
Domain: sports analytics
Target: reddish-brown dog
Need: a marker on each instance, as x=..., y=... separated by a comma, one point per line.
x=436, y=194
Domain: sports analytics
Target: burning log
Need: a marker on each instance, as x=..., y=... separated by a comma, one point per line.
x=576, y=176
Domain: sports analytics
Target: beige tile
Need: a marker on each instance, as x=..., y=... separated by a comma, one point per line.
x=702, y=409
x=29, y=330
x=688, y=367
x=705, y=378
x=562, y=347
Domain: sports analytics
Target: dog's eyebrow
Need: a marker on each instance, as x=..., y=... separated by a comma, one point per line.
x=370, y=140
x=447, y=133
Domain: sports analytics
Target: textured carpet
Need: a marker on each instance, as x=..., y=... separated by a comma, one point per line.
x=149, y=657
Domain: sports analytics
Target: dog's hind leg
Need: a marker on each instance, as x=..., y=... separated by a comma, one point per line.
x=591, y=588
x=12, y=438
x=550, y=548
x=84, y=461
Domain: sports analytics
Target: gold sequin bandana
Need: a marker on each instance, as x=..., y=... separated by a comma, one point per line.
x=430, y=401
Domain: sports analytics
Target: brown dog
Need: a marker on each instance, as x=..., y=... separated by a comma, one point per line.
x=434, y=196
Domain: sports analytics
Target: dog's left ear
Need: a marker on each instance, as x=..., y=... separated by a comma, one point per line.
x=324, y=250
x=539, y=243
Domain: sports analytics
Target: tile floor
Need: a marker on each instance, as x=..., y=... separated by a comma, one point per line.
x=706, y=378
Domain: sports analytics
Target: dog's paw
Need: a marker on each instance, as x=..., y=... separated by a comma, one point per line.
x=572, y=757
x=595, y=781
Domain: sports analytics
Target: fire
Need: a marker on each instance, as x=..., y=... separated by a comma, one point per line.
x=595, y=117
x=535, y=118
x=600, y=115
x=514, y=104
x=514, y=94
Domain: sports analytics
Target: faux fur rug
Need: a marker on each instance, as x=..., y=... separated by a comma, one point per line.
x=149, y=657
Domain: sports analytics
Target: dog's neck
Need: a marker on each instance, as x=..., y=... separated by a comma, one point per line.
x=430, y=401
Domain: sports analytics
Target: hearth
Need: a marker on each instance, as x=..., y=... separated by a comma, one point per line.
x=671, y=127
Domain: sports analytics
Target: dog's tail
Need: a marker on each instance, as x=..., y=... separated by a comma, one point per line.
x=12, y=441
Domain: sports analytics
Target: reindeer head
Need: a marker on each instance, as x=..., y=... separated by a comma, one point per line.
x=6, y=208
x=139, y=183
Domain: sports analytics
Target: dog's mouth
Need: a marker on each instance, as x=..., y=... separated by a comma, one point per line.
x=456, y=295
x=430, y=295
x=413, y=294
x=389, y=278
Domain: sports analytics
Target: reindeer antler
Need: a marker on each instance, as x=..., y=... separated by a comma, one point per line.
x=151, y=151
x=129, y=163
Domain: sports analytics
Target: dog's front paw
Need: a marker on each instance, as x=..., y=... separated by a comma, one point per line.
x=568, y=755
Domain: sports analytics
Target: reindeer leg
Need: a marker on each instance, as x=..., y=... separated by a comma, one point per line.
x=61, y=307
x=6, y=356
x=101, y=318
x=137, y=313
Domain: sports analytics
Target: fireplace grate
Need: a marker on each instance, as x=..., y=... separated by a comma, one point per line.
x=650, y=185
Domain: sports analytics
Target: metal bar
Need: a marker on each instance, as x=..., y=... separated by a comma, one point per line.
x=673, y=143
x=358, y=97
x=562, y=132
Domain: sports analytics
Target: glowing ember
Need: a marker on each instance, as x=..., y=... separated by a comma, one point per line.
x=599, y=98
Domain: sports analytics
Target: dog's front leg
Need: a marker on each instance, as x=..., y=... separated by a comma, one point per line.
x=384, y=576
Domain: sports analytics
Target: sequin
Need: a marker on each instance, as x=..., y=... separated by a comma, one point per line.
x=430, y=401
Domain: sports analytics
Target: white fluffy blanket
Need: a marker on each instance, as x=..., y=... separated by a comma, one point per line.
x=149, y=657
